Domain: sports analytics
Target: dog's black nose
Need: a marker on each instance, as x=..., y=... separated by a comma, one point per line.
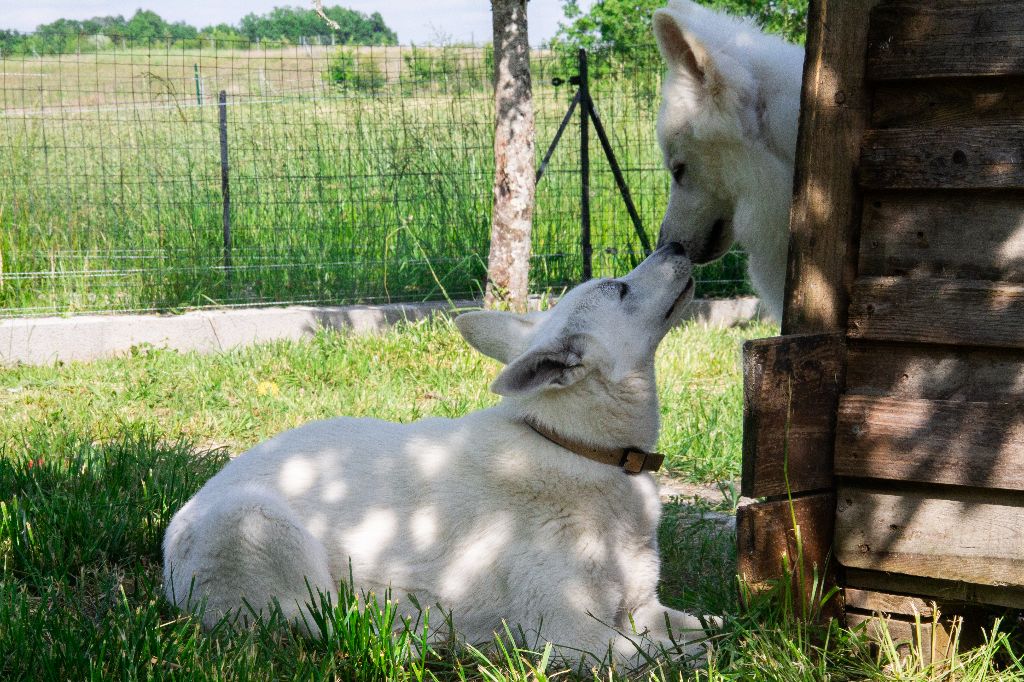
x=675, y=248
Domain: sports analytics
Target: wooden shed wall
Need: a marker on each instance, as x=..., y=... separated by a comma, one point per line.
x=907, y=266
x=929, y=447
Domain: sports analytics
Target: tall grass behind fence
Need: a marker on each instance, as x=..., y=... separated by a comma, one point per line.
x=355, y=174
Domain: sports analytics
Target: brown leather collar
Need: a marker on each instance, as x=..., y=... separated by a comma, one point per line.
x=630, y=460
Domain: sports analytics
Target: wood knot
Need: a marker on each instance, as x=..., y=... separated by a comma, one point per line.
x=959, y=156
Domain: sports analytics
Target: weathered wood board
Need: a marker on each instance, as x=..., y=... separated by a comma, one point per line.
x=931, y=638
x=979, y=444
x=950, y=534
x=952, y=595
x=900, y=370
x=825, y=214
x=907, y=235
x=947, y=102
x=981, y=157
x=791, y=389
x=886, y=603
x=959, y=312
x=952, y=235
x=942, y=38
x=765, y=536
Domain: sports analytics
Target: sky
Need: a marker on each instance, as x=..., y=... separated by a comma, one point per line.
x=458, y=20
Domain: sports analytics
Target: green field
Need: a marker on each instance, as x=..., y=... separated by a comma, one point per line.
x=96, y=457
x=376, y=188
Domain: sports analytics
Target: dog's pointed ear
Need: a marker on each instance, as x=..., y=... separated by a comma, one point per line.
x=682, y=50
x=542, y=368
x=499, y=335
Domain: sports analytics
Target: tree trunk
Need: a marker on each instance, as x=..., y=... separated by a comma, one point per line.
x=508, y=267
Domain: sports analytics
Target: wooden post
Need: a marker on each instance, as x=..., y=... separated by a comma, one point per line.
x=825, y=215
x=586, y=248
x=793, y=383
x=514, y=175
x=225, y=186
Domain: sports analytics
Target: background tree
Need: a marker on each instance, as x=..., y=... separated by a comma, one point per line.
x=620, y=30
x=292, y=23
x=508, y=265
x=281, y=23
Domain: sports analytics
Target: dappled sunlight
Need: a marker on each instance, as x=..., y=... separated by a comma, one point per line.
x=334, y=491
x=477, y=554
x=821, y=307
x=297, y=476
x=431, y=457
x=423, y=526
x=1011, y=253
x=318, y=525
x=369, y=539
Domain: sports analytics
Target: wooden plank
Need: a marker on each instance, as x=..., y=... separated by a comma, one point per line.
x=942, y=38
x=765, y=538
x=791, y=388
x=951, y=534
x=825, y=215
x=933, y=632
x=958, y=235
x=979, y=444
x=945, y=591
x=980, y=157
x=955, y=102
x=930, y=638
x=958, y=312
x=887, y=603
x=902, y=370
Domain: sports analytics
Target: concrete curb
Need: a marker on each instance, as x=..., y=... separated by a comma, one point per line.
x=44, y=340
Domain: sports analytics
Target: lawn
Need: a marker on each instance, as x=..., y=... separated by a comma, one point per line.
x=96, y=458
x=375, y=189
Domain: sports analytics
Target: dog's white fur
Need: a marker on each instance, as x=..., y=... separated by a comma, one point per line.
x=729, y=115
x=480, y=514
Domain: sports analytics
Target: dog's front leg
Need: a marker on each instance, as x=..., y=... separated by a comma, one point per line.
x=671, y=629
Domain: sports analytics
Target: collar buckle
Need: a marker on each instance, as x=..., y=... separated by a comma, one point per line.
x=637, y=461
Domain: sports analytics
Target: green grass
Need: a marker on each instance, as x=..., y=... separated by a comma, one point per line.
x=95, y=459
x=238, y=398
x=110, y=184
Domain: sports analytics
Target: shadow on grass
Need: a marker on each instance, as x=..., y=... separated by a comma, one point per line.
x=81, y=593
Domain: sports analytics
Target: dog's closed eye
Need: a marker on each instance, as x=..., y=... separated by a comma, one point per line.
x=678, y=171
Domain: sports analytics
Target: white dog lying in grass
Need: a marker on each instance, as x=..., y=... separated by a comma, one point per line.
x=501, y=515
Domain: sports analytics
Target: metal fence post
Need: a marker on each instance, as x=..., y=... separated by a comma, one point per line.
x=199, y=87
x=585, y=245
x=225, y=189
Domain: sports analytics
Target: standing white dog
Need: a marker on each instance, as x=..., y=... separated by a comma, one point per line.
x=501, y=515
x=727, y=129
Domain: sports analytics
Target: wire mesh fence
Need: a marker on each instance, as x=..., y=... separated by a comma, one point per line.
x=355, y=174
